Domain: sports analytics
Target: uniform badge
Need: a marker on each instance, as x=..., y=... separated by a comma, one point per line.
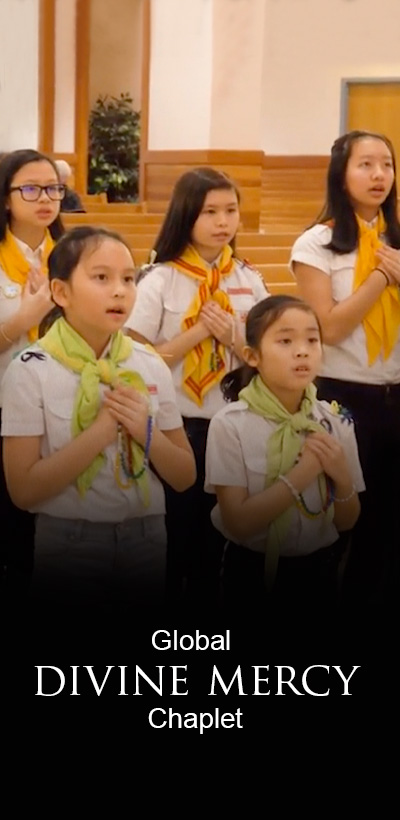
x=10, y=291
x=338, y=410
x=32, y=354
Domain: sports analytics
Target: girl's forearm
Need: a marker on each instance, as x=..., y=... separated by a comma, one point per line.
x=176, y=349
x=252, y=516
x=174, y=464
x=347, y=505
x=48, y=477
x=11, y=331
x=239, y=345
x=345, y=316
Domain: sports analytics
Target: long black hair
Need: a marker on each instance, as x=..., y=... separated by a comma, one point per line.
x=10, y=164
x=338, y=207
x=259, y=318
x=67, y=254
x=184, y=208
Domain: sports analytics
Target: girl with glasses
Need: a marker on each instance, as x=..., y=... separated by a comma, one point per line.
x=30, y=198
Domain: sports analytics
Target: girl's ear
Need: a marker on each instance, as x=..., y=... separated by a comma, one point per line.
x=59, y=292
x=251, y=356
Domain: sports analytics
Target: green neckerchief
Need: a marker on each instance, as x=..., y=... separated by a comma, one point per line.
x=65, y=345
x=283, y=447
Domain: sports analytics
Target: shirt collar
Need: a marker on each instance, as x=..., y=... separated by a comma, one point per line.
x=31, y=255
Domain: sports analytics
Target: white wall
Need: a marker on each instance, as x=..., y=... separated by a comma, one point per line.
x=238, y=35
x=19, y=49
x=180, y=74
x=309, y=46
x=64, y=103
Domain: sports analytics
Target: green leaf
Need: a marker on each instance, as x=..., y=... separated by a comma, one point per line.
x=114, y=142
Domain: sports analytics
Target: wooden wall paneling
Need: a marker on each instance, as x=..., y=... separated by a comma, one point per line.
x=82, y=103
x=145, y=92
x=163, y=168
x=46, y=89
x=293, y=191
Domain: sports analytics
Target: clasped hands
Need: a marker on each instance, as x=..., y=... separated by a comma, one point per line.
x=36, y=300
x=389, y=262
x=125, y=406
x=218, y=322
x=322, y=452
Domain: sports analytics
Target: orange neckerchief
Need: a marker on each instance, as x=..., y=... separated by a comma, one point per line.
x=16, y=268
x=204, y=365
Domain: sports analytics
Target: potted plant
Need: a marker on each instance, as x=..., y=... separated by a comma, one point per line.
x=114, y=139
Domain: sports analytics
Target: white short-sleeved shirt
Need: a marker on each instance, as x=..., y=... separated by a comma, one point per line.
x=348, y=359
x=10, y=303
x=236, y=456
x=162, y=299
x=38, y=401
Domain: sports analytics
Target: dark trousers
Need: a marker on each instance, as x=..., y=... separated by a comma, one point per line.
x=16, y=543
x=194, y=546
x=303, y=602
x=371, y=577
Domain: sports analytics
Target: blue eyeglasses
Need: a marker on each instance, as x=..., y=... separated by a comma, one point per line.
x=31, y=193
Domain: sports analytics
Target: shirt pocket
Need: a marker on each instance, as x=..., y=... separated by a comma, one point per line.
x=242, y=300
x=58, y=414
x=154, y=402
x=175, y=308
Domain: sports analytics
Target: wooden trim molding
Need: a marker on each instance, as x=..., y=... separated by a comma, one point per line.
x=204, y=157
x=145, y=93
x=161, y=169
x=69, y=157
x=46, y=90
x=295, y=161
x=82, y=103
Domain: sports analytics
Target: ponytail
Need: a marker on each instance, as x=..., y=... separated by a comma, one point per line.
x=46, y=323
x=236, y=380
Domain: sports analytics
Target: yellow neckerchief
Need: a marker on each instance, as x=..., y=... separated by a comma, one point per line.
x=65, y=345
x=381, y=323
x=204, y=365
x=16, y=267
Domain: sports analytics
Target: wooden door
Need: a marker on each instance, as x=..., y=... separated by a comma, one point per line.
x=375, y=107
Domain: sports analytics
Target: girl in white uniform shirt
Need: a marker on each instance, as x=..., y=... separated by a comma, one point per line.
x=85, y=411
x=285, y=470
x=191, y=305
x=30, y=197
x=348, y=266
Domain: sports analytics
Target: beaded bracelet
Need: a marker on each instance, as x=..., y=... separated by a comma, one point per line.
x=348, y=497
x=302, y=506
x=149, y=433
x=300, y=502
x=295, y=493
x=4, y=335
x=124, y=455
